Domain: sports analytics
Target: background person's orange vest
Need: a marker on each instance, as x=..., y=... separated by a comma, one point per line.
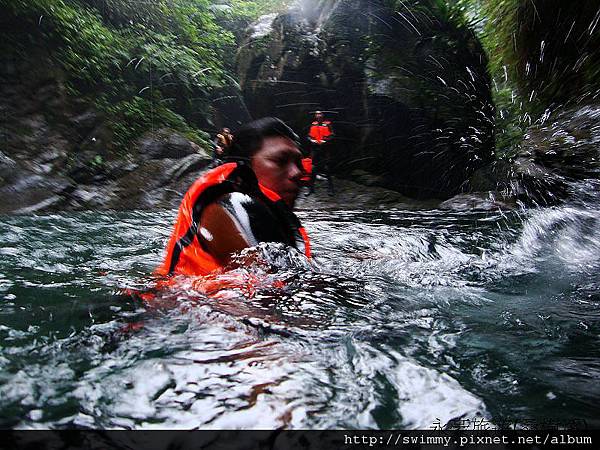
x=320, y=131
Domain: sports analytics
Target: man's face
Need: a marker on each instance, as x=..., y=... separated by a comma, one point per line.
x=278, y=166
x=319, y=117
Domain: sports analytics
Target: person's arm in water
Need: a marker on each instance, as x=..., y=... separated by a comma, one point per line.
x=218, y=146
x=237, y=221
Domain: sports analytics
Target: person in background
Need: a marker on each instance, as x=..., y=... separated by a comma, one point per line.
x=319, y=135
x=240, y=203
x=221, y=143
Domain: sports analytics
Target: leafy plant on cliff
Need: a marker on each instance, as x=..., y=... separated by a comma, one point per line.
x=544, y=55
x=492, y=21
x=144, y=64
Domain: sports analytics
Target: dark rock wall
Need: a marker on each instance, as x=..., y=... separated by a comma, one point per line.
x=408, y=92
x=556, y=158
x=56, y=151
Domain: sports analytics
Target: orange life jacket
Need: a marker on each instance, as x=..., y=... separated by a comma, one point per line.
x=307, y=166
x=185, y=254
x=320, y=131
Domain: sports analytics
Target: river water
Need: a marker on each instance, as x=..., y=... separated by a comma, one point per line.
x=408, y=317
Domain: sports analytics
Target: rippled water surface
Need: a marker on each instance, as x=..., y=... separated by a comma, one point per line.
x=407, y=317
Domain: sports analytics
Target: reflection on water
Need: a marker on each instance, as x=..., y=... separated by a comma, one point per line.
x=405, y=317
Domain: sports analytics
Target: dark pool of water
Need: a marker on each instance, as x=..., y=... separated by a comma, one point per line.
x=407, y=317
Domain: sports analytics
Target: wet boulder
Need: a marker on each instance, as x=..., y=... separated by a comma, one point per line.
x=25, y=192
x=478, y=201
x=7, y=168
x=556, y=153
x=156, y=183
x=156, y=173
x=86, y=121
x=562, y=150
x=87, y=163
x=568, y=143
x=165, y=143
x=406, y=88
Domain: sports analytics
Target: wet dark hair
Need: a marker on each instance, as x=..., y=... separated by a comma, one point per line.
x=248, y=139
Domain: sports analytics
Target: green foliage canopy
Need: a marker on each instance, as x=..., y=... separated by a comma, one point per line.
x=144, y=64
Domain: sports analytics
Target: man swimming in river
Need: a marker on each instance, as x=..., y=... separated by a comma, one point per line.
x=241, y=203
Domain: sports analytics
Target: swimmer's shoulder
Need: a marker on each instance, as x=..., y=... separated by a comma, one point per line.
x=235, y=221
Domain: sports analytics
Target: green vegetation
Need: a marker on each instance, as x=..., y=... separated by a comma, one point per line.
x=159, y=63
x=145, y=65
x=551, y=47
x=543, y=55
x=514, y=109
x=492, y=21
